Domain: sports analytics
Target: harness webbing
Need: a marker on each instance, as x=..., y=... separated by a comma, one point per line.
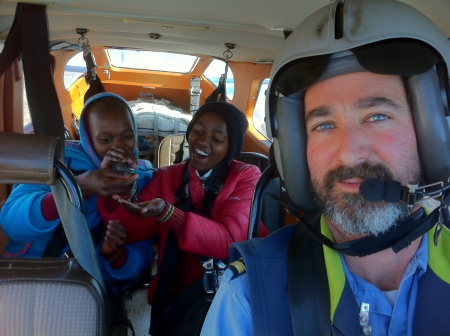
x=28, y=37
x=308, y=290
x=220, y=93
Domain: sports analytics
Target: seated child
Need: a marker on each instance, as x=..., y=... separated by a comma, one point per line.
x=108, y=138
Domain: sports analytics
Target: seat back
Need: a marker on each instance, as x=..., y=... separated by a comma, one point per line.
x=259, y=160
x=267, y=205
x=50, y=296
x=168, y=149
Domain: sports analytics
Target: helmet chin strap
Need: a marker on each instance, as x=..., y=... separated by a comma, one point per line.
x=401, y=235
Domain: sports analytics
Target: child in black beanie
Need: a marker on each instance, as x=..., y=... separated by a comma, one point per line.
x=235, y=120
x=199, y=208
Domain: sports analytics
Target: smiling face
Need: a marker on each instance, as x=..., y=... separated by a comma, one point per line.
x=110, y=125
x=208, y=142
x=359, y=126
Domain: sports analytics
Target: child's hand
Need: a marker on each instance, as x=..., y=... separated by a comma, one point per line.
x=105, y=182
x=142, y=210
x=114, y=239
x=119, y=156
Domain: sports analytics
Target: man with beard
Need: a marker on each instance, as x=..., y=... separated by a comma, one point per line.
x=357, y=104
x=359, y=126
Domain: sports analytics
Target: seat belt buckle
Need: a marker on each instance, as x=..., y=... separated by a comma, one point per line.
x=210, y=281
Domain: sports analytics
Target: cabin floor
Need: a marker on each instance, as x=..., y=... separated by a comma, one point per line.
x=138, y=311
x=137, y=307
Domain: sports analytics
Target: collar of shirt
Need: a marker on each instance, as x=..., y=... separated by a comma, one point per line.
x=383, y=317
x=205, y=176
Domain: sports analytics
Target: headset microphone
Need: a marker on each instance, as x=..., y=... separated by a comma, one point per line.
x=375, y=190
x=406, y=230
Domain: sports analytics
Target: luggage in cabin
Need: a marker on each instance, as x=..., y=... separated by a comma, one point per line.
x=155, y=119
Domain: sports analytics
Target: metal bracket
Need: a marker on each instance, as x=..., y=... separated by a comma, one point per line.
x=81, y=31
x=228, y=53
x=364, y=318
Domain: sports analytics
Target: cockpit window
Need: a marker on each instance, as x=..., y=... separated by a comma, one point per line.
x=75, y=68
x=259, y=113
x=151, y=60
x=216, y=69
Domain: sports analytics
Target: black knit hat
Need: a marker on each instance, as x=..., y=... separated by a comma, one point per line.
x=235, y=121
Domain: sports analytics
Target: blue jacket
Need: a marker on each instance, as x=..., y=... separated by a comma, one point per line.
x=266, y=270
x=22, y=220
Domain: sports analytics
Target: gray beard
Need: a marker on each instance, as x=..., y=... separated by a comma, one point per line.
x=351, y=212
x=356, y=216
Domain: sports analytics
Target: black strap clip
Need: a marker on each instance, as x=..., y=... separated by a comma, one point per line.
x=212, y=276
x=212, y=185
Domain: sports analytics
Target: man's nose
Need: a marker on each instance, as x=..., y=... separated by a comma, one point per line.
x=352, y=146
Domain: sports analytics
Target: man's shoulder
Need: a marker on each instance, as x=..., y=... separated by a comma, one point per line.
x=270, y=247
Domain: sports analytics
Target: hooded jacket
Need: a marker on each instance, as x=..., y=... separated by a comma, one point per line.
x=21, y=217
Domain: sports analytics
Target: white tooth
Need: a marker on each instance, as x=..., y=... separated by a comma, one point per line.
x=200, y=152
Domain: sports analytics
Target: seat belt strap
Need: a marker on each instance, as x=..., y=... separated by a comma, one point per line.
x=308, y=287
x=220, y=93
x=78, y=236
x=29, y=37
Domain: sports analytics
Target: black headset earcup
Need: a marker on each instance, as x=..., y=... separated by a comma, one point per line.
x=290, y=151
x=432, y=129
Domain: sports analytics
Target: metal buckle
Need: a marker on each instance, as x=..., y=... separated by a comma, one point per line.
x=210, y=281
x=422, y=193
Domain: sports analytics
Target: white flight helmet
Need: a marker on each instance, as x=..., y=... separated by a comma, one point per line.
x=385, y=37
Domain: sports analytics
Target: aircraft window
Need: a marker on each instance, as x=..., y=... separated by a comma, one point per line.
x=259, y=113
x=75, y=68
x=213, y=73
x=151, y=60
x=26, y=111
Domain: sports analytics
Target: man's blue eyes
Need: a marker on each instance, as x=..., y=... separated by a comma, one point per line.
x=323, y=127
x=372, y=118
x=377, y=117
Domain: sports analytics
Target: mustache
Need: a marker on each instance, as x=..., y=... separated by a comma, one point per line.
x=363, y=170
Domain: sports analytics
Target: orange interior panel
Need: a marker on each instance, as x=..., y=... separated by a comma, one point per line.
x=132, y=84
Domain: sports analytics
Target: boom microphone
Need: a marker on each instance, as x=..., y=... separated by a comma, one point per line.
x=375, y=190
